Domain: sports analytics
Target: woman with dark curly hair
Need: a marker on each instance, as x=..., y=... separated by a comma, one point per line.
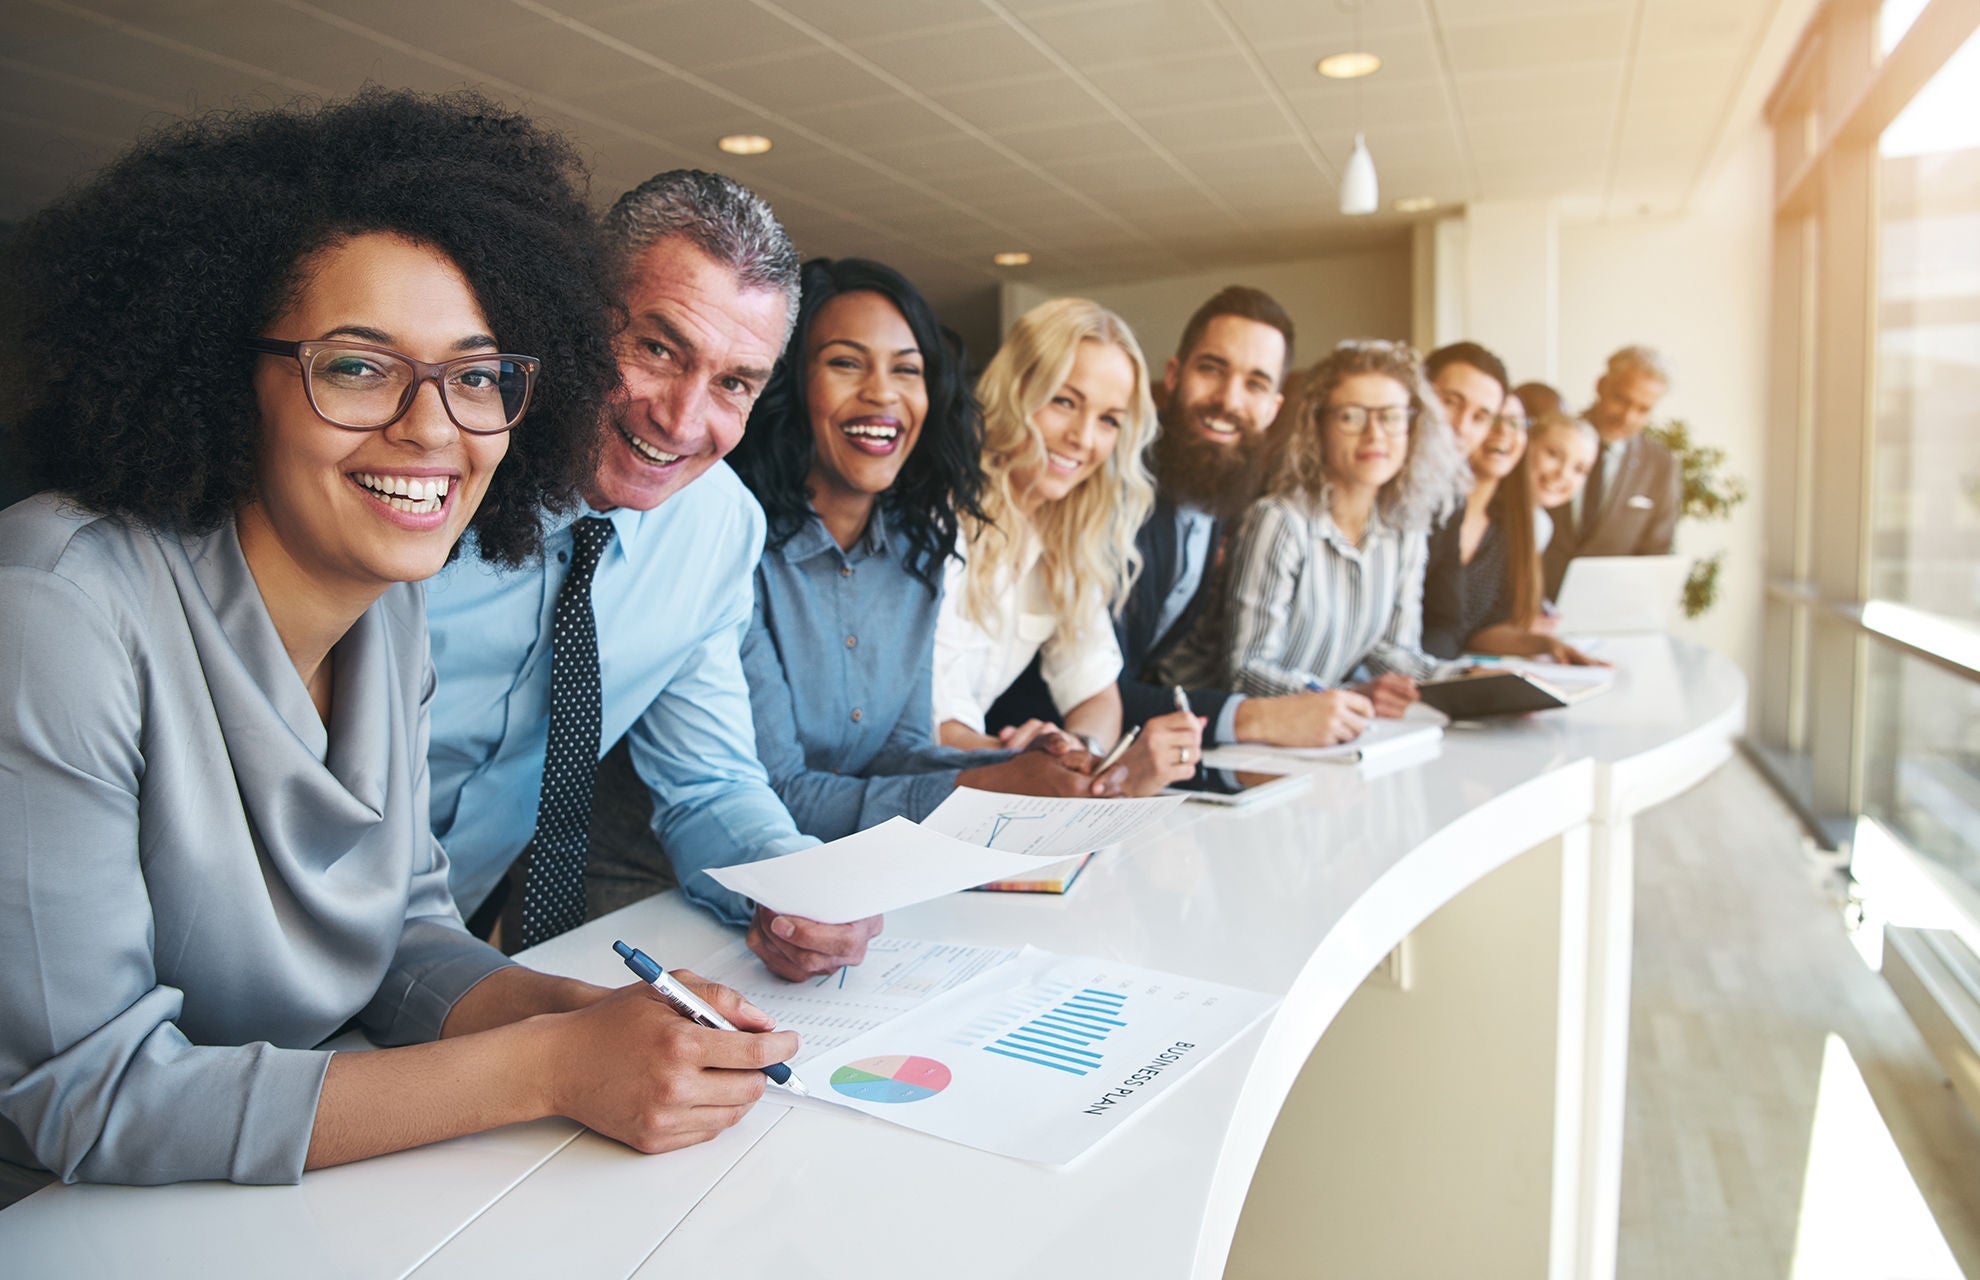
x=862, y=450
x=266, y=367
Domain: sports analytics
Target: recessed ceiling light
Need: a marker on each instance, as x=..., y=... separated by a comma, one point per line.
x=1018, y=259
x=1415, y=204
x=1348, y=66
x=744, y=144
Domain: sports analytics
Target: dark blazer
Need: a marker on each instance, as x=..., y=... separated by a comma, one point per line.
x=1141, y=648
x=1637, y=517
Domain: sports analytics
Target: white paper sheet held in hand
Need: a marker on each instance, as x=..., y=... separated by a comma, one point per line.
x=870, y=872
x=898, y=976
x=973, y=838
x=1039, y=1058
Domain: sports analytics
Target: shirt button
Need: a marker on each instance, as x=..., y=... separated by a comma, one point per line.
x=845, y=571
x=856, y=714
x=852, y=642
x=563, y=557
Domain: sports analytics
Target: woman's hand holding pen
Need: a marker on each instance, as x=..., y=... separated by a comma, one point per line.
x=1168, y=750
x=1391, y=692
x=634, y=1070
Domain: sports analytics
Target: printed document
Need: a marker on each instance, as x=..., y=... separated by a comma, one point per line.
x=1040, y=1058
x=1045, y=826
x=899, y=976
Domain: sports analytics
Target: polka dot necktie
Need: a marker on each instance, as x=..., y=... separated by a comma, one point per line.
x=553, y=896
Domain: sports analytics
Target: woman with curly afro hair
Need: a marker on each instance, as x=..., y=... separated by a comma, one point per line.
x=265, y=371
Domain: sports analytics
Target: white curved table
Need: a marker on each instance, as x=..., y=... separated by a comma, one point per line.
x=1476, y=1114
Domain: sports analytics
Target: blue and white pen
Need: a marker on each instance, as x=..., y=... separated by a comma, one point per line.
x=694, y=1008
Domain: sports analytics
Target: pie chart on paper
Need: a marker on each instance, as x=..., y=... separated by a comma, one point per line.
x=897, y=1078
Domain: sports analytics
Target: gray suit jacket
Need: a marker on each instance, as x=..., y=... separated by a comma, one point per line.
x=1637, y=517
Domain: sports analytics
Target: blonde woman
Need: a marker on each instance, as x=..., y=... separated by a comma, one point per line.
x=1324, y=580
x=1067, y=424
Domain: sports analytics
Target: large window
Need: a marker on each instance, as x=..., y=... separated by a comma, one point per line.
x=1871, y=703
x=1925, y=512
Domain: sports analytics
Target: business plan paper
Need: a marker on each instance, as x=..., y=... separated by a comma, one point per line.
x=1040, y=1058
x=898, y=976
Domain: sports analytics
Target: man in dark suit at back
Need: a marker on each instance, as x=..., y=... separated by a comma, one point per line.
x=1630, y=504
x=1222, y=389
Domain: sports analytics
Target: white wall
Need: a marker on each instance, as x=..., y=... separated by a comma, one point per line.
x=1696, y=287
x=1358, y=295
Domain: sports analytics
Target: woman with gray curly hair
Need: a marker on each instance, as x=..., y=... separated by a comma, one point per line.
x=1325, y=574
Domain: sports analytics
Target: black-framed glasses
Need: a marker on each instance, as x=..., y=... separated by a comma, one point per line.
x=362, y=387
x=1353, y=419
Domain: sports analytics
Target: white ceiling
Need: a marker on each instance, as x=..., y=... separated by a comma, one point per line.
x=1112, y=139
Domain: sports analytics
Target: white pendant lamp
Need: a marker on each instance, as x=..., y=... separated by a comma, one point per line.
x=1359, y=194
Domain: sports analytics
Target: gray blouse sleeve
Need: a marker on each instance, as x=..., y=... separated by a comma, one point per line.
x=95, y=1077
x=438, y=960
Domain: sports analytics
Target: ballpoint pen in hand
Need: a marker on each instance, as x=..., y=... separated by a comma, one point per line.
x=694, y=1008
x=1113, y=757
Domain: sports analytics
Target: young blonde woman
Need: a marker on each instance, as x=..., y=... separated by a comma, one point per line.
x=1067, y=424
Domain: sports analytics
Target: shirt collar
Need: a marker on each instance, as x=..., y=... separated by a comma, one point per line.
x=813, y=539
x=629, y=526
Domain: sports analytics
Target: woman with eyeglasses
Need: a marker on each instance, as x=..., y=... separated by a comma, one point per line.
x=1068, y=421
x=265, y=371
x=1324, y=580
x=865, y=450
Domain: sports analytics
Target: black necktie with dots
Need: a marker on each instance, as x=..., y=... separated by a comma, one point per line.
x=553, y=895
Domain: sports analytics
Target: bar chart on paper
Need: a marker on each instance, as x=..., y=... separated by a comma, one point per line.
x=1070, y=1036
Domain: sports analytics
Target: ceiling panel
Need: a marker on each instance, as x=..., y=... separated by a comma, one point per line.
x=856, y=20
x=1524, y=44
x=1583, y=87
x=1045, y=144
x=1023, y=104
x=699, y=34
x=983, y=52
x=1207, y=76
x=1126, y=32
x=1202, y=127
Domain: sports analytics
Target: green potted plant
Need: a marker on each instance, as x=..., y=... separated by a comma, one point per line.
x=1708, y=494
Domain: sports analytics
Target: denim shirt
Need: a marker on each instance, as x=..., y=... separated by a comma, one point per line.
x=839, y=657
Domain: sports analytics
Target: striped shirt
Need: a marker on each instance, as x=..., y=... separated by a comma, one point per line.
x=1302, y=605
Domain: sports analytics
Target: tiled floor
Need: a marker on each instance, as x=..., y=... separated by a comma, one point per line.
x=1753, y=1020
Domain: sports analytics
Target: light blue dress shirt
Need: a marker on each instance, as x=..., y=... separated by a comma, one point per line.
x=672, y=596
x=840, y=662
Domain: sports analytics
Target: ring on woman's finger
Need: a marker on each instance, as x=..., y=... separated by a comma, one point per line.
x=1182, y=755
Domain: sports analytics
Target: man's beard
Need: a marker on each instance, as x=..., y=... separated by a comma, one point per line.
x=1194, y=471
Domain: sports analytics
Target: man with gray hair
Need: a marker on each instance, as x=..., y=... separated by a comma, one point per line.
x=1630, y=504
x=632, y=625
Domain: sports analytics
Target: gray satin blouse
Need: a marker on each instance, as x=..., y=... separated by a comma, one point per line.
x=199, y=882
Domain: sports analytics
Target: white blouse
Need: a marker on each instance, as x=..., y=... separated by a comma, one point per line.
x=975, y=662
